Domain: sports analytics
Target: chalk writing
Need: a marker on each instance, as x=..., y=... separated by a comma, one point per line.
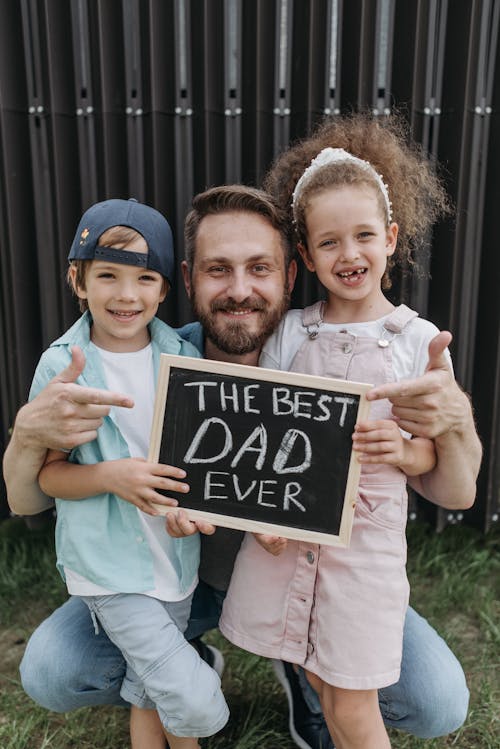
x=258, y=446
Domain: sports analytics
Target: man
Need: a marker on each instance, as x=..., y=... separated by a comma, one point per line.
x=239, y=274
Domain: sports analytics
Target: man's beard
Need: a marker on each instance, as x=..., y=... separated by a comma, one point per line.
x=232, y=337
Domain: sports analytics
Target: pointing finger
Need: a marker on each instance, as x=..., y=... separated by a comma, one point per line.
x=93, y=396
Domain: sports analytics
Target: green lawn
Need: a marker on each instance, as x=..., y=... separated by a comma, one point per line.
x=455, y=579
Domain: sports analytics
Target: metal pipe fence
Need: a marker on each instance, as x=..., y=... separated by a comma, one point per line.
x=159, y=99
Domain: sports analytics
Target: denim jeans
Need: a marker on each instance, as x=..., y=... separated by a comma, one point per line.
x=163, y=670
x=67, y=666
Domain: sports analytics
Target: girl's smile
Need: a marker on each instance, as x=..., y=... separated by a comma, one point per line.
x=348, y=245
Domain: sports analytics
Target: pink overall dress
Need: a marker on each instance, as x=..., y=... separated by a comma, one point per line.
x=337, y=612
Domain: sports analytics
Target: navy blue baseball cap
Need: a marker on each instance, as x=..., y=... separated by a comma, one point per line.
x=116, y=212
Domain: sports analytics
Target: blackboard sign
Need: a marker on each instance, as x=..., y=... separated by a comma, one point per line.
x=263, y=450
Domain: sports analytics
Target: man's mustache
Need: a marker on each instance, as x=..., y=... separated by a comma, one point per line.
x=229, y=305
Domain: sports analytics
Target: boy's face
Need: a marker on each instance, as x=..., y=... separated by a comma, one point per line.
x=239, y=288
x=122, y=299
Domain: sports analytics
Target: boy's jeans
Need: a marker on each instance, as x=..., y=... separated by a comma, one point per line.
x=66, y=666
x=164, y=671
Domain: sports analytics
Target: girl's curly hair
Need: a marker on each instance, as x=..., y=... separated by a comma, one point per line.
x=416, y=191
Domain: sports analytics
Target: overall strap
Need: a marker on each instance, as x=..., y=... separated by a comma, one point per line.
x=312, y=317
x=399, y=319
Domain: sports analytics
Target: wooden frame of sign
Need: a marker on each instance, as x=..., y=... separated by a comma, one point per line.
x=264, y=450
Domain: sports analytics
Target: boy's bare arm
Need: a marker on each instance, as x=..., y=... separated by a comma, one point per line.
x=133, y=479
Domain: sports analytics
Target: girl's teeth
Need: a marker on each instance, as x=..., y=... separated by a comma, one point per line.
x=348, y=273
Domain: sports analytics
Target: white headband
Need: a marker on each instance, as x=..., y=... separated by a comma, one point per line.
x=330, y=156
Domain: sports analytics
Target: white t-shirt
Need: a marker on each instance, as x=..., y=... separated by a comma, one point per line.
x=133, y=374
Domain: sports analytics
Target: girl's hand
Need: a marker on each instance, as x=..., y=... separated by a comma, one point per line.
x=379, y=441
x=136, y=480
x=275, y=545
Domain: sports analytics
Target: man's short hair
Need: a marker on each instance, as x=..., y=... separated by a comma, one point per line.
x=235, y=198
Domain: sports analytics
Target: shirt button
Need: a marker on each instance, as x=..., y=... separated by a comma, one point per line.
x=347, y=347
x=310, y=557
x=139, y=539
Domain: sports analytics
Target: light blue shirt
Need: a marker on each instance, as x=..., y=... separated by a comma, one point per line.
x=101, y=537
x=193, y=332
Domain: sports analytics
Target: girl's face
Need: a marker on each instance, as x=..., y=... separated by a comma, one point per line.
x=348, y=245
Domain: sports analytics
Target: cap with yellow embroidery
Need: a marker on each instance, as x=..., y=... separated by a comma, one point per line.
x=147, y=221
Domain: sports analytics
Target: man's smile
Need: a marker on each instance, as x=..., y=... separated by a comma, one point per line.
x=243, y=309
x=238, y=312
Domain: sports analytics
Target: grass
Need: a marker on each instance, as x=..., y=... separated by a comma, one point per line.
x=455, y=579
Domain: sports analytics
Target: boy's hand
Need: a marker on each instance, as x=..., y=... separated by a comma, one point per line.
x=136, y=480
x=379, y=441
x=275, y=545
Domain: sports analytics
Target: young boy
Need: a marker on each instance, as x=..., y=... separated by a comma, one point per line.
x=136, y=579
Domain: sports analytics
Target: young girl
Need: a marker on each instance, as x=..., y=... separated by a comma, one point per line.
x=340, y=612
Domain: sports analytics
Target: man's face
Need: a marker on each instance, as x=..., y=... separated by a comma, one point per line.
x=239, y=289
